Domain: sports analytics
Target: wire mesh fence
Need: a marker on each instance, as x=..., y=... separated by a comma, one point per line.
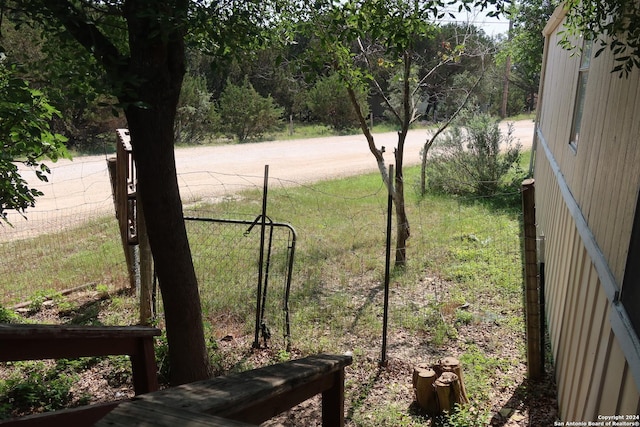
x=339, y=259
x=69, y=240
x=234, y=289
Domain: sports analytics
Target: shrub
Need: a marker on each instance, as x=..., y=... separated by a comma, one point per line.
x=329, y=102
x=475, y=158
x=245, y=113
x=196, y=116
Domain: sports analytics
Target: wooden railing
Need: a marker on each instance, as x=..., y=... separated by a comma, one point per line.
x=242, y=399
x=35, y=342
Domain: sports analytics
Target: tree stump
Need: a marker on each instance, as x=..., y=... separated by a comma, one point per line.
x=439, y=387
x=445, y=391
x=451, y=364
x=423, y=379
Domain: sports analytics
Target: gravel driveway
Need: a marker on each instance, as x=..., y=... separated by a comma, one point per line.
x=213, y=171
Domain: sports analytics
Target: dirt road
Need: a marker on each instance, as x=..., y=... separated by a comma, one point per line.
x=209, y=172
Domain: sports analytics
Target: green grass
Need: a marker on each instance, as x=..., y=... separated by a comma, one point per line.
x=462, y=251
x=50, y=263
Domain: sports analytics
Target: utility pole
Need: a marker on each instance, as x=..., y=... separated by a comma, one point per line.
x=507, y=74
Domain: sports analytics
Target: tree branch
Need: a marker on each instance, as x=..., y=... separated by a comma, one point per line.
x=379, y=89
x=442, y=128
x=88, y=35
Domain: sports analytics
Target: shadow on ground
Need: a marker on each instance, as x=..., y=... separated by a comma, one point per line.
x=531, y=404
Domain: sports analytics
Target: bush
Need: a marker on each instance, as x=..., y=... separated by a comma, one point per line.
x=245, y=113
x=35, y=388
x=475, y=159
x=329, y=103
x=196, y=116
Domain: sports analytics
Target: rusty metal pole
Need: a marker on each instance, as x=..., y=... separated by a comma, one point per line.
x=385, y=316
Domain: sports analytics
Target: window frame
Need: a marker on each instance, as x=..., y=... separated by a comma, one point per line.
x=581, y=92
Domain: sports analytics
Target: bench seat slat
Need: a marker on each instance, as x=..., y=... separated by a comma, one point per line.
x=251, y=396
x=237, y=392
x=27, y=332
x=152, y=415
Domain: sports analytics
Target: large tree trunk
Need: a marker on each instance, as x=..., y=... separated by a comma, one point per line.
x=159, y=64
x=147, y=79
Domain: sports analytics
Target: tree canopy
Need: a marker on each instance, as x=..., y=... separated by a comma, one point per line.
x=614, y=24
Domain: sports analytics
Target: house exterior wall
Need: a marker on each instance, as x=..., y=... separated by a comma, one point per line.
x=585, y=205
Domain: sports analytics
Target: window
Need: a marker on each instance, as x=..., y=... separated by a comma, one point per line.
x=583, y=75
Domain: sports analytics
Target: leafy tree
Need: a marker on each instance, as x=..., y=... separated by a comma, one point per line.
x=245, y=113
x=196, y=116
x=140, y=46
x=614, y=24
x=26, y=138
x=49, y=61
x=361, y=40
x=328, y=101
x=526, y=45
x=272, y=71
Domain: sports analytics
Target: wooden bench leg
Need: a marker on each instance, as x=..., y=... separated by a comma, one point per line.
x=333, y=402
x=144, y=368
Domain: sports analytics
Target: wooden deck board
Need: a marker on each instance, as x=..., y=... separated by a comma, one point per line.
x=152, y=415
x=251, y=396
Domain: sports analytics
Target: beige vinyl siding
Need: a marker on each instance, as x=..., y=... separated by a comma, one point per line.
x=585, y=206
x=603, y=172
x=591, y=371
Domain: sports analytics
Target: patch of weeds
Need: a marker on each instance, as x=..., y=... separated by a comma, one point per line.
x=37, y=299
x=162, y=358
x=480, y=372
x=34, y=387
x=161, y=346
x=102, y=288
x=436, y=325
x=8, y=316
x=216, y=364
x=282, y=356
x=76, y=365
x=464, y=317
x=118, y=371
x=464, y=416
x=390, y=414
x=63, y=304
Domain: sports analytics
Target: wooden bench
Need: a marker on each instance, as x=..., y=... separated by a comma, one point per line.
x=248, y=397
x=35, y=342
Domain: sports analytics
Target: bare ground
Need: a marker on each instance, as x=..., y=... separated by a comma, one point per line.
x=513, y=401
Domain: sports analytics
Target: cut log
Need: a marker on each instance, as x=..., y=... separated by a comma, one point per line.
x=440, y=386
x=451, y=364
x=416, y=370
x=425, y=393
x=444, y=391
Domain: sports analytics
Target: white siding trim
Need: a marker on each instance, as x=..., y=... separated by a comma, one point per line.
x=621, y=326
